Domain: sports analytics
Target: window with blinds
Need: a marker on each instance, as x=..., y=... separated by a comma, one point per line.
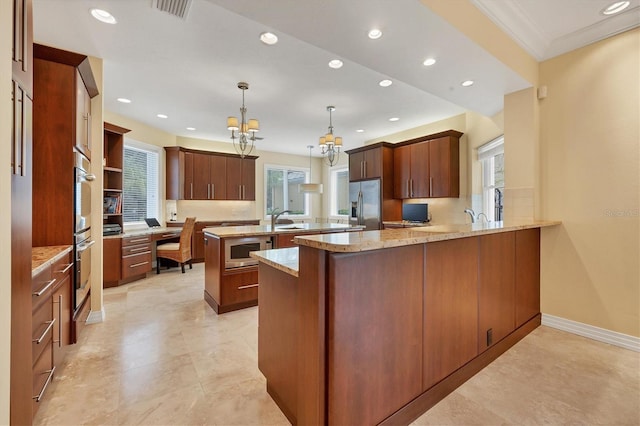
x=140, y=183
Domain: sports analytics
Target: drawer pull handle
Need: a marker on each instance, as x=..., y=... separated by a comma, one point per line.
x=66, y=268
x=44, y=289
x=41, y=338
x=39, y=396
x=135, y=265
x=169, y=235
x=139, y=249
x=242, y=287
x=136, y=254
x=140, y=240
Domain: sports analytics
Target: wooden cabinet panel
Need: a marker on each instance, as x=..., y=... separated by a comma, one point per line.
x=62, y=313
x=218, y=178
x=138, y=264
x=239, y=287
x=496, y=288
x=111, y=253
x=356, y=165
x=420, y=170
x=42, y=376
x=394, y=310
x=22, y=47
x=189, y=165
x=213, y=268
x=241, y=178
x=43, y=326
x=527, y=275
x=402, y=172
x=444, y=167
x=366, y=164
x=83, y=118
x=201, y=185
x=248, y=179
x=450, y=308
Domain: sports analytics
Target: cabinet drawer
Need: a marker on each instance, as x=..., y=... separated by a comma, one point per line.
x=138, y=264
x=166, y=235
x=42, y=328
x=41, y=288
x=142, y=239
x=135, y=250
x=42, y=376
x=61, y=269
x=238, y=288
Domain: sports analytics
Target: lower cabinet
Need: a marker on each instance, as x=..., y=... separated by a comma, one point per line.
x=62, y=308
x=136, y=256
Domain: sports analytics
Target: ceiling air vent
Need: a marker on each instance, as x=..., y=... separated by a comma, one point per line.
x=179, y=8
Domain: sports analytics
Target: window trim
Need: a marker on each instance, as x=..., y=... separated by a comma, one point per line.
x=307, y=199
x=333, y=192
x=145, y=147
x=486, y=156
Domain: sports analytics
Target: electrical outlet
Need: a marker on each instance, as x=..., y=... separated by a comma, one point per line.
x=490, y=337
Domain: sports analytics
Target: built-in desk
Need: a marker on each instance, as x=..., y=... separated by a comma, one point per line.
x=129, y=256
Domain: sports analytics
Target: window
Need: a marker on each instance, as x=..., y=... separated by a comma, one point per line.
x=339, y=192
x=281, y=190
x=491, y=155
x=140, y=182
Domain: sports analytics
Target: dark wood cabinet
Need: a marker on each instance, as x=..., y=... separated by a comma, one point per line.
x=241, y=178
x=428, y=167
x=62, y=309
x=496, y=294
x=55, y=84
x=204, y=175
x=112, y=180
x=136, y=257
x=41, y=334
x=527, y=281
x=366, y=163
x=21, y=373
x=112, y=261
x=83, y=117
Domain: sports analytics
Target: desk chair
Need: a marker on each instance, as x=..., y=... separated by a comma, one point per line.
x=179, y=252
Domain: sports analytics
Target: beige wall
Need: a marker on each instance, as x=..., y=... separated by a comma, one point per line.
x=5, y=213
x=590, y=160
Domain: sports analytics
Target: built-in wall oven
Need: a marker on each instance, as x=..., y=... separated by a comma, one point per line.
x=82, y=232
x=237, y=250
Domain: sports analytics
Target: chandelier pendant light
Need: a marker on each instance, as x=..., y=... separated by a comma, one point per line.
x=310, y=188
x=244, y=139
x=331, y=144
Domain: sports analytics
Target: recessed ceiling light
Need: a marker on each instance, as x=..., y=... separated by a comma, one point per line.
x=103, y=16
x=268, y=38
x=191, y=128
x=467, y=83
x=335, y=64
x=124, y=100
x=375, y=34
x=162, y=116
x=428, y=62
x=394, y=119
x=360, y=131
x=616, y=7
x=385, y=83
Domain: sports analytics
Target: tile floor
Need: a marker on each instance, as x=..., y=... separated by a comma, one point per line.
x=163, y=357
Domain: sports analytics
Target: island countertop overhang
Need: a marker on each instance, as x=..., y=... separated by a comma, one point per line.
x=259, y=230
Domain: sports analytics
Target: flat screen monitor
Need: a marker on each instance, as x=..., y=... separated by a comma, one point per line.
x=415, y=212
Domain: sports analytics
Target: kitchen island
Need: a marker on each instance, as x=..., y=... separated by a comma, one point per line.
x=231, y=277
x=376, y=327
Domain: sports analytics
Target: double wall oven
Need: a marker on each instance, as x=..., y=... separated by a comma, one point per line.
x=82, y=232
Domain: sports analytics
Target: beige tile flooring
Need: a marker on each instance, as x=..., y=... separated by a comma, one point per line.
x=163, y=357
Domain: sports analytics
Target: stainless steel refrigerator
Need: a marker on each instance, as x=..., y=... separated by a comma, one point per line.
x=366, y=204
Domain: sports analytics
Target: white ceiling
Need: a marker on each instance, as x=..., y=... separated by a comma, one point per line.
x=189, y=68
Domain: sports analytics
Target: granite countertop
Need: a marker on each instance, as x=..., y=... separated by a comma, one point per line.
x=285, y=259
x=41, y=257
x=143, y=231
x=373, y=240
x=254, y=230
x=405, y=223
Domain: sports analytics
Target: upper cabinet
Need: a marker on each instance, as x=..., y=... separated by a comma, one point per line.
x=428, y=167
x=204, y=175
x=22, y=47
x=365, y=163
x=83, y=117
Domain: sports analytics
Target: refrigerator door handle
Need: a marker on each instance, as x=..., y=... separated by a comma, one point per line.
x=360, y=208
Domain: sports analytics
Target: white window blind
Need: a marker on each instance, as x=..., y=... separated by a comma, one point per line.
x=140, y=182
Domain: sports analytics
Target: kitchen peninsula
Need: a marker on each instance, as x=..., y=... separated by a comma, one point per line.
x=231, y=276
x=376, y=327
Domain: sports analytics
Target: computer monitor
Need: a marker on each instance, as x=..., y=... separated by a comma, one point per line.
x=415, y=212
x=152, y=222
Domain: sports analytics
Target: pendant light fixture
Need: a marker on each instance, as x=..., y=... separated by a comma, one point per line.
x=331, y=145
x=310, y=188
x=247, y=130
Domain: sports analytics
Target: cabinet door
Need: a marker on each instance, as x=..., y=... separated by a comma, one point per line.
x=217, y=177
x=356, y=166
x=444, y=166
x=188, y=175
x=496, y=290
x=22, y=47
x=197, y=242
x=111, y=259
x=419, y=186
x=201, y=186
x=372, y=163
x=62, y=314
x=234, y=178
x=83, y=117
x=248, y=179
x=451, y=308
x=401, y=171
x=527, y=272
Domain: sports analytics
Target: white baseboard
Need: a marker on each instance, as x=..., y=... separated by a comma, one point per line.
x=592, y=332
x=95, y=317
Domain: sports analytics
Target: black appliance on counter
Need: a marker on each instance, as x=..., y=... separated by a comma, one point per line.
x=82, y=232
x=415, y=212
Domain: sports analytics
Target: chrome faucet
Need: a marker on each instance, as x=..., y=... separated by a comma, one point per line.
x=472, y=214
x=274, y=217
x=485, y=217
